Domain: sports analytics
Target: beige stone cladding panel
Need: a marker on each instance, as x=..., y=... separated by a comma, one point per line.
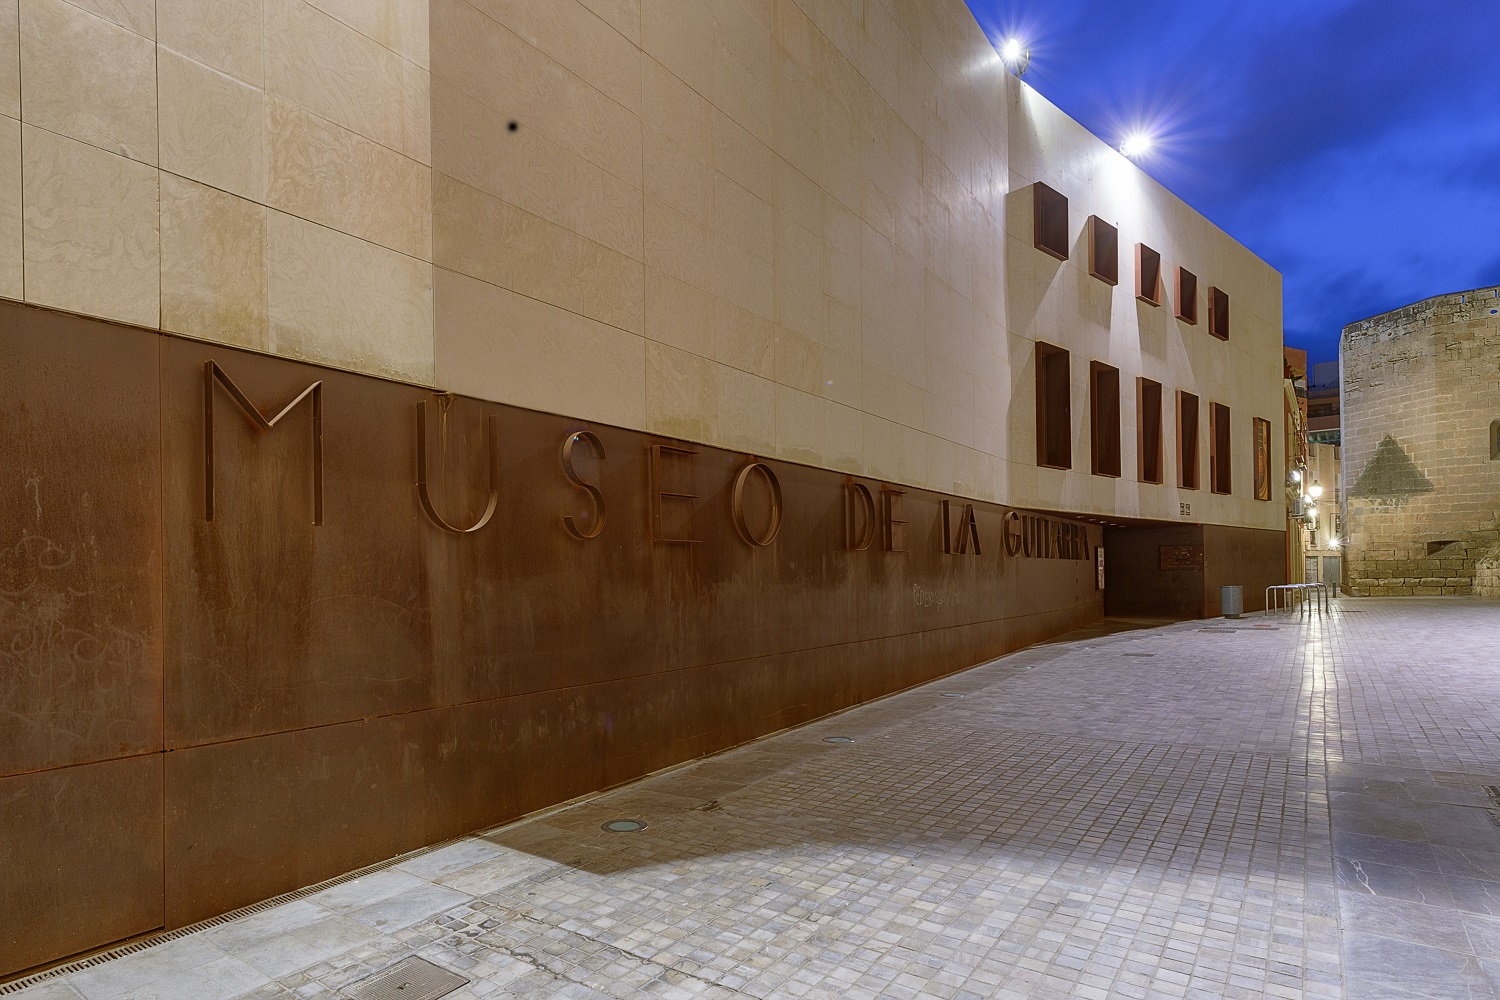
x=213, y=271
x=538, y=206
x=10, y=60
x=497, y=343
x=487, y=238
x=213, y=126
x=10, y=209
x=90, y=229
x=340, y=179
x=473, y=143
x=398, y=25
x=88, y=78
x=494, y=64
x=138, y=16
x=225, y=35
x=336, y=299
x=318, y=63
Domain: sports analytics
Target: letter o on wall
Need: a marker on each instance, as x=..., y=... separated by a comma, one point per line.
x=737, y=504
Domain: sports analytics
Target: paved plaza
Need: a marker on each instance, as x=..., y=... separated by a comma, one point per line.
x=1260, y=807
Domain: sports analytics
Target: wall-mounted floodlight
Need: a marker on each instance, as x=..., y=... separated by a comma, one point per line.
x=1015, y=55
x=1136, y=144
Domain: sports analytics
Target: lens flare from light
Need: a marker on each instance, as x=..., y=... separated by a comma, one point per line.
x=1012, y=50
x=1136, y=144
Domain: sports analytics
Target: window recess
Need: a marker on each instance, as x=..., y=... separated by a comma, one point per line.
x=1187, y=296
x=1054, y=433
x=1050, y=212
x=1147, y=274
x=1187, y=440
x=1104, y=251
x=1218, y=448
x=1104, y=419
x=1148, y=431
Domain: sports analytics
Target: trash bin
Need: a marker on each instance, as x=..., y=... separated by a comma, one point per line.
x=1232, y=601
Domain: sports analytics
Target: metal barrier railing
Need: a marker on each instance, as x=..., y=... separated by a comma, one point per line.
x=1305, y=597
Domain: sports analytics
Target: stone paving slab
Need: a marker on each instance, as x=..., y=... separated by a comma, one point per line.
x=1260, y=808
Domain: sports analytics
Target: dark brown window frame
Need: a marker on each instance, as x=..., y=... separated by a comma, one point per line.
x=1049, y=211
x=1104, y=251
x=1104, y=419
x=1186, y=303
x=1187, y=440
x=1218, y=312
x=1148, y=283
x=1149, y=464
x=1054, y=418
x=1261, y=439
x=1220, y=449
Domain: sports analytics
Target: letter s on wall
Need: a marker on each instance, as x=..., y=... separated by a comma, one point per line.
x=570, y=470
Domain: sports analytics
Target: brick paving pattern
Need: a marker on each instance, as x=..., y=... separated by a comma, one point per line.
x=1259, y=808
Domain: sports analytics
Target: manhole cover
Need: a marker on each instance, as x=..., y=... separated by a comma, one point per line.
x=411, y=979
x=837, y=739
x=623, y=826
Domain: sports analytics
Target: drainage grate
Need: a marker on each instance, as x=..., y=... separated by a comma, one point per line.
x=411, y=979
x=1137, y=654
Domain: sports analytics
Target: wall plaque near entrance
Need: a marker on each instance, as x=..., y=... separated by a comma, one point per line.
x=1180, y=557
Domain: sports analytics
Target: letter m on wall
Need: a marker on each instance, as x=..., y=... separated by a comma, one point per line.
x=214, y=375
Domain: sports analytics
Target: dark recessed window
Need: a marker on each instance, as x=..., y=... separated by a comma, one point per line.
x=1187, y=295
x=1104, y=250
x=1218, y=448
x=1054, y=434
x=1147, y=274
x=1104, y=419
x=1218, y=313
x=1050, y=211
x=1148, y=431
x=1187, y=440
x=1495, y=440
x=1262, y=458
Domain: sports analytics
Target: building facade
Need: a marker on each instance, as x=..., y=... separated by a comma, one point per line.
x=1420, y=431
x=420, y=413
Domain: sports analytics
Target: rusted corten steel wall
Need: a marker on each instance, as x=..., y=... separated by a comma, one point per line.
x=201, y=712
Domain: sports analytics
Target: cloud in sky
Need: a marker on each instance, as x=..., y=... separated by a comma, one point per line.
x=1353, y=144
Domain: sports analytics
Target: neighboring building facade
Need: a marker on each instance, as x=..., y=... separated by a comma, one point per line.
x=1295, y=476
x=1323, y=403
x=1421, y=445
x=1322, y=523
x=420, y=413
x=1321, y=535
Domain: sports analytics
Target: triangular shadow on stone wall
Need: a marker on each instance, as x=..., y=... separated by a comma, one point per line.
x=1390, y=475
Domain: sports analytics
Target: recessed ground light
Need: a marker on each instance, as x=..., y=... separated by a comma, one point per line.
x=623, y=826
x=951, y=694
x=837, y=739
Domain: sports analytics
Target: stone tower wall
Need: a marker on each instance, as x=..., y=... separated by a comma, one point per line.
x=1421, y=490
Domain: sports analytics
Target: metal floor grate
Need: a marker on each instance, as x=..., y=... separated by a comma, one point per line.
x=410, y=979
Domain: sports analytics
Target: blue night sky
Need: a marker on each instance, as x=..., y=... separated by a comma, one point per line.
x=1354, y=145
